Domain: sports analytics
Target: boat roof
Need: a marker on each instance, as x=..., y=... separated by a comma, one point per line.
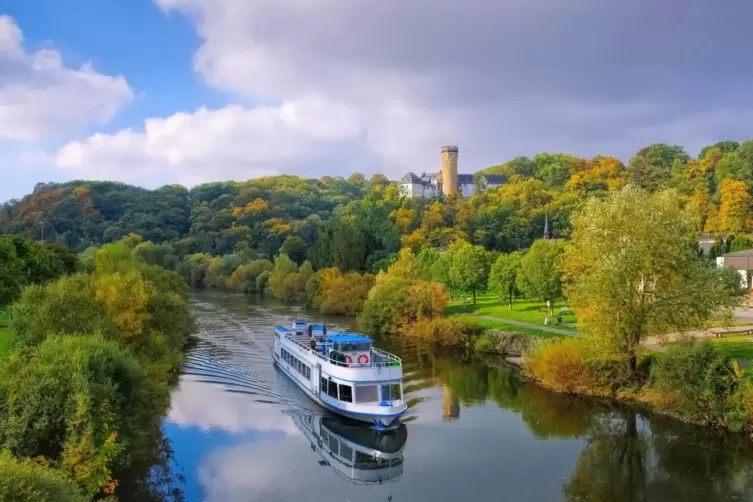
x=348, y=338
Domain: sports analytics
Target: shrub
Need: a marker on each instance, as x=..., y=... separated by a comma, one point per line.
x=510, y=343
x=485, y=344
x=395, y=303
x=696, y=384
x=450, y=331
x=28, y=481
x=561, y=365
x=82, y=402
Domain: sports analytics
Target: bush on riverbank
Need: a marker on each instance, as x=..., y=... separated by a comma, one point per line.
x=454, y=332
x=24, y=480
x=506, y=343
x=690, y=381
x=151, y=318
x=331, y=292
x=87, y=384
x=697, y=384
x=81, y=402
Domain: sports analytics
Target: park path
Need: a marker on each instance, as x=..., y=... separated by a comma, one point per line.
x=652, y=343
x=522, y=324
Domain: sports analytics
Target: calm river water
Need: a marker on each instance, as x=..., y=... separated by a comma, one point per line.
x=474, y=432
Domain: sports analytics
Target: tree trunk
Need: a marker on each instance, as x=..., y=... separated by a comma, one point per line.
x=509, y=298
x=474, y=297
x=633, y=364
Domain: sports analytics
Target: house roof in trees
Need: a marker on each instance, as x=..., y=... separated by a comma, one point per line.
x=495, y=179
x=465, y=179
x=411, y=178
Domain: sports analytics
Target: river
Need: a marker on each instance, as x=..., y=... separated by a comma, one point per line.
x=474, y=431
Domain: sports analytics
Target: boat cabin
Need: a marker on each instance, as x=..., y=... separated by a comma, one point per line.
x=356, y=348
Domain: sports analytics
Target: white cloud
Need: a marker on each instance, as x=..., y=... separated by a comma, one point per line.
x=40, y=97
x=230, y=412
x=380, y=86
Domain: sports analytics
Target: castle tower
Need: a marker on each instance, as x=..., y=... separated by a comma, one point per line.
x=450, y=170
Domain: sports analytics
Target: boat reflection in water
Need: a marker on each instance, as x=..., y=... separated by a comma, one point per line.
x=355, y=451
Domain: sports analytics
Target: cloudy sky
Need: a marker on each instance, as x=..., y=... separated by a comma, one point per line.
x=162, y=91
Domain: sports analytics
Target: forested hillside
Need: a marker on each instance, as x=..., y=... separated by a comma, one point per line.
x=360, y=224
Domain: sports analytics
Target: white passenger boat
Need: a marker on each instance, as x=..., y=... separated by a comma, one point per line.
x=356, y=453
x=342, y=372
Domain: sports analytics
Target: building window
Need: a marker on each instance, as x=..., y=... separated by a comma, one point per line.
x=346, y=393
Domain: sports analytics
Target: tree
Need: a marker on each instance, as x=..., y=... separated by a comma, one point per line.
x=425, y=260
x=503, y=278
x=736, y=211
x=295, y=248
x=470, y=268
x=283, y=267
x=11, y=273
x=440, y=270
x=632, y=270
x=540, y=276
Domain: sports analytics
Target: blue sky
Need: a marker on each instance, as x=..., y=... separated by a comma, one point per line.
x=188, y=91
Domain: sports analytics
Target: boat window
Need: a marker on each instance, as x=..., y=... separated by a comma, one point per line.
x=346, y=452
x=363, y=459
x=308, y=373
x=332, y=389
x=346, y=393
x=334, y=444
x=323, y=385
x=366, y=394
x=390, y=392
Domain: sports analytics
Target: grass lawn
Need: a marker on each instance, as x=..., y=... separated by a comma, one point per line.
x=533, y=312
x=6, y=335
x=736, y=347
x=6, y=341
x=489, y=324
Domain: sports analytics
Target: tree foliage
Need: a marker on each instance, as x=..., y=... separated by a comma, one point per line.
x=632, y=270
x=503, y=278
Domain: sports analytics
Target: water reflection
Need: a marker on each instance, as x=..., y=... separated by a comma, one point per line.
x=241, y=431
x=355, y=452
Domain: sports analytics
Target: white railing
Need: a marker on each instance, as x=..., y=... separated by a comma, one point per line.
x=391, y=358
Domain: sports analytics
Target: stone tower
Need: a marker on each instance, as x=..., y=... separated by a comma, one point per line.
x=450, y=170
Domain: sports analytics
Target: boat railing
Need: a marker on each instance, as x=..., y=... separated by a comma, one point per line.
x=391, y=359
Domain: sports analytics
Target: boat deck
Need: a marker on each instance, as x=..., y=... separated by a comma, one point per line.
x=379, y=358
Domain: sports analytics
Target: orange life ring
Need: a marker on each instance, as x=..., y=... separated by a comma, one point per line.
x=350, y=359
x=363, y=359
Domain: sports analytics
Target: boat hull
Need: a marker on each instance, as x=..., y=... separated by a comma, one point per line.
x=380, y=417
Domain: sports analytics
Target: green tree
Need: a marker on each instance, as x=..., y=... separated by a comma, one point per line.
x=11, y=273
x=632, y=270
x=283, y=267
x=540, y=276
x=295, y=248
x=503, y=278
x=425, y=260
x=470, y=268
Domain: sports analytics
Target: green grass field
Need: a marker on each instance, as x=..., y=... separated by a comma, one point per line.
x=6, y=335
x=736, y=347
x=490, y=324
x=533, y=312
